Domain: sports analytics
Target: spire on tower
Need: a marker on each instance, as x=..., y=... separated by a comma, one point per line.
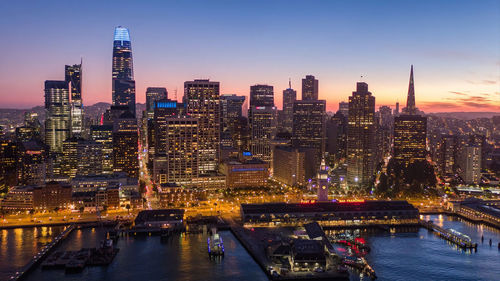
x=410, y=101
x=289, y=83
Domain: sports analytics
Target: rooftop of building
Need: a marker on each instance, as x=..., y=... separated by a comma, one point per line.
x=319, y=207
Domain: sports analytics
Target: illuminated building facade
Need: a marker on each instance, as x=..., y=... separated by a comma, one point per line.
x=32, y=162
x=123, y=83
x=446, y=154
x=309, y=128
x=410, y=134
x=58, y=114
x=469, y=163
x=310, y=88
x=125, y=145
x=244, y=173
x=73, y=76
x=202, y=101
x=289, y=165
x=360, y=137
x=262, y=95
x=103, y=134
x=179, y=163
x=231, y=111
x=263, y=130
x=289, y=97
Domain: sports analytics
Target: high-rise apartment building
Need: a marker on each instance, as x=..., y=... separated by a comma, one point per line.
x=360, y=137
x=202, y=99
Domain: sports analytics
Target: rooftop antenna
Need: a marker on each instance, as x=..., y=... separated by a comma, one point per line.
x=289, y=83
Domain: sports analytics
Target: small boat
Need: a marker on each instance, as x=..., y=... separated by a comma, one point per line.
x=215, y=245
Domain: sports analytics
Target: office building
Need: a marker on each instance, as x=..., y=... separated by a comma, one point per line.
x=360, y=137
x=103, y=134
x=125, y=145
x=289, y=165
x=309, y=129
x=289, y=97
x=58, y=114
x=310, y=88
x=73, y=77
x=123, y=84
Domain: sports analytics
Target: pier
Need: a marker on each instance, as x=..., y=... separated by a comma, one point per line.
x=19, y=275
x=455, y=237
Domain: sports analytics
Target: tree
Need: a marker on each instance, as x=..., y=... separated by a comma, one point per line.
x=32, y=211
x=128, y=208
x=104, y=208
x=56, y=209
x=81, y=209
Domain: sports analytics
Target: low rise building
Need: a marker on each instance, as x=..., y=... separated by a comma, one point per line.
x=330, y=213
x=245, y=173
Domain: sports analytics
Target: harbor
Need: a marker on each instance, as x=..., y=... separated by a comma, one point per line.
x=355, y=253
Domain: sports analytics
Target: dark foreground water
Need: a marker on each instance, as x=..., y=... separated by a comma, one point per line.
x=425, y=256
x=183, y=257
x=402, y=256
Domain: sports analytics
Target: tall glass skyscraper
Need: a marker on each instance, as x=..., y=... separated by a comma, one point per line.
x=123, y=70
x=73, y=76
x=58, y=114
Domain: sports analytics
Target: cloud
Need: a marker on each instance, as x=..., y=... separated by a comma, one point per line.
x=458, y=93
x=482, y=101
x=482, y=82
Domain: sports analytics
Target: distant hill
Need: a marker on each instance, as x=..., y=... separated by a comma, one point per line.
x=11, y=118
x=465, y=115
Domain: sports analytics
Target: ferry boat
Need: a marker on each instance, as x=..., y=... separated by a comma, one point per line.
x=215, y=245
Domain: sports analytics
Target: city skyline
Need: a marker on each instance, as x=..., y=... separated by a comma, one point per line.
x=454, y=70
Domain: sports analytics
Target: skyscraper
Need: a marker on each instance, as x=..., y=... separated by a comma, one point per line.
x=289, y=97
x=103, y=134
x=360, y=137
x=261, y=95
x=175, y=146
x=410, y=108
x=123, y=83
x=203, y=102
x=154, y=94
x=125, y=140
x=73, y=76
x=262, y=131
x=231, y=111
x=410, y=135
x=309, y=130
x=58, y=114
x=310, y=88
x=410, y=131
x=262, y=120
